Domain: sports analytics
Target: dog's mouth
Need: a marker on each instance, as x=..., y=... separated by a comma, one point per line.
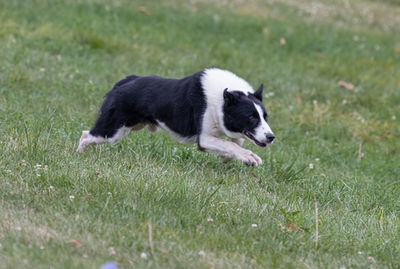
x=254, y=140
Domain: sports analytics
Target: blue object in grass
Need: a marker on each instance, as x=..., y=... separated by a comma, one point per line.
x=109, y=265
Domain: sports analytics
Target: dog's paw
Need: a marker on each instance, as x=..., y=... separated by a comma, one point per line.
x=250, y=158
x=81, y=148
x=82, y=145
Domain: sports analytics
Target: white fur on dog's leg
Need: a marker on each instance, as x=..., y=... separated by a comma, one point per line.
x=228, y=149
x=123, y=131
x=238, y=141
x=82, y=145
x=87, y=139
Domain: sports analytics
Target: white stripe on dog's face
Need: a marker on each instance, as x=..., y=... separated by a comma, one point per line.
x=263, y=130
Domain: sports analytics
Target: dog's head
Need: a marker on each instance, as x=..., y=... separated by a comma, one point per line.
x=245, y=114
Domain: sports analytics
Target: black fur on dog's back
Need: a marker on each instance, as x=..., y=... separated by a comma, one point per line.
x=178, y=103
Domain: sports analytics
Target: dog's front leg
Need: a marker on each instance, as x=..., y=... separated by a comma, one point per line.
x=238, y=141
x=228, y=150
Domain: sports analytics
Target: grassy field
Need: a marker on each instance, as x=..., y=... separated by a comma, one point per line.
x=336, y=149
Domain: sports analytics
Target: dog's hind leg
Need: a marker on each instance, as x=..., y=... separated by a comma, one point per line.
x=107, y=129
x=238, y=141
x=88, y=139
x=118, y=135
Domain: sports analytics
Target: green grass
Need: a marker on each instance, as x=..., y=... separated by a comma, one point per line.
x=58, y=59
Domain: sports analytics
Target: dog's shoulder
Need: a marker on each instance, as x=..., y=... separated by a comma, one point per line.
x=215, y=81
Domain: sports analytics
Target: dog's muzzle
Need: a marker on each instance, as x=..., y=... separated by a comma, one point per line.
x=269, y=138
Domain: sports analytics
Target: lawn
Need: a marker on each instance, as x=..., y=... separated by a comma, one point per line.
x=150, y=202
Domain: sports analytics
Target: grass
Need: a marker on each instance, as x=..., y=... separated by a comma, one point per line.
x=339, y=147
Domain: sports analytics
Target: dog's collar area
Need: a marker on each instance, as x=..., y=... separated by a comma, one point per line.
x=252, y=138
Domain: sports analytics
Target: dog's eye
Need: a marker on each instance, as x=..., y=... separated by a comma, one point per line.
x=253, y=117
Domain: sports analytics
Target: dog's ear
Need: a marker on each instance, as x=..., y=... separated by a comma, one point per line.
x=229, y=97
x=258, y=93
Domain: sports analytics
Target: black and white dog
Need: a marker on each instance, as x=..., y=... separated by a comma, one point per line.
x=196, y=109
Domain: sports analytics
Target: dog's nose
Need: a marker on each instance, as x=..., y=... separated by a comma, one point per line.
x=270, y=137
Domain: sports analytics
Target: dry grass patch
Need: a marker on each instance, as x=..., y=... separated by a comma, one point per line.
x=24, y=224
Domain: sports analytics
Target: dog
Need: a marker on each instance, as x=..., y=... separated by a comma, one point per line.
x=200, y=108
